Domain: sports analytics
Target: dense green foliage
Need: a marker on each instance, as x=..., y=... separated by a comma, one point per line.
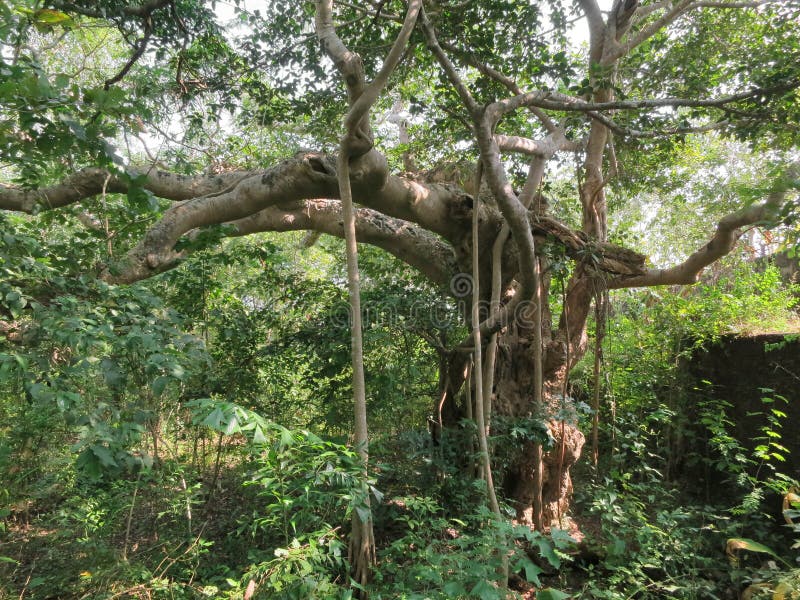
x=114, y=451
x=189, y=436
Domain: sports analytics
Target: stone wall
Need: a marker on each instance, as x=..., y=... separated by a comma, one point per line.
x=739, y=370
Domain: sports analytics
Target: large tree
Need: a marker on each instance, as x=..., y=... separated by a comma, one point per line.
x=432, y=114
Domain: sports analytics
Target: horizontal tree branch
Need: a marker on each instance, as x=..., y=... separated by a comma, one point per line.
x=556, y=101
x=546, y=147
x=408, y=242
x=437, y=208
x=89, y=182
x=142, y=10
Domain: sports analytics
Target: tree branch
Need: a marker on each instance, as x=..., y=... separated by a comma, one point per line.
x=447, y=65
x=406, y=241
x=596, y=28
x=548, y=146
x=647, y=32
x=504, y=80
x=556, y=101
x=89, y=182
x=439, y=209
x=361, y=106
x=728, y=231
x=141, y=46
x=136, y=10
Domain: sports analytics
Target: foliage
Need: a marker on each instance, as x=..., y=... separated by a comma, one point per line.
x=437, y=557
x=306, y=489
x=185, y=437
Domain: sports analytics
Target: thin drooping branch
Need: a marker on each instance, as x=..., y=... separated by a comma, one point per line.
x=728, y=231
x=143, y=11
x=480, y=418
x=357, y=141
x=601, y=301
x=532, y=183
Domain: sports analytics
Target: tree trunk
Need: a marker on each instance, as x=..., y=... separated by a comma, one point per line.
x=513, y=408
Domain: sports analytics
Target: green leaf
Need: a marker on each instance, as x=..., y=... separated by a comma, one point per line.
x=159, y=385
x=232, y=426
x=287, y=439
x=104, y=455
x=47, y=16
x=258, y=435
x=454, y=589
x=547, y=551
x=485, y=591
x=735, y=544
x=112, y=373
x=377, y=493
x=141, y=199
x=532, y=571
x=551, y=594
x=214, y=419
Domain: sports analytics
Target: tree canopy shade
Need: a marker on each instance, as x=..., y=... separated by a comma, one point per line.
x=189, y=131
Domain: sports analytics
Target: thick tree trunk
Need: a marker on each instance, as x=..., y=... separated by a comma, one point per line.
x=513, y=408
x=513, y=405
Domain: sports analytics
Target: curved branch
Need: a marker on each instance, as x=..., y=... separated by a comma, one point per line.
x=136, y=10
x=447, y=65
x=674, y=12
x=406, y=241
x=649, y=31
x=597, y=27
x=548, y=146
x=441, y=209
x=557, y=101
x=728, y=232
x=347, y=62
x=361, y=106
x=138, y=51
x=504, y=80
x=89, y=182
x=438, y=209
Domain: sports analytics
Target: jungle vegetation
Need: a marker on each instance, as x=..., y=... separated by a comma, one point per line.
x=392, y=299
